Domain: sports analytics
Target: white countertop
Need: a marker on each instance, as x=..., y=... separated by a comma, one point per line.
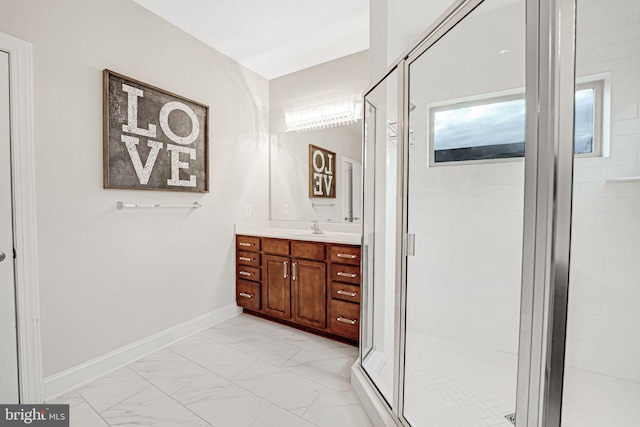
x=333, y=233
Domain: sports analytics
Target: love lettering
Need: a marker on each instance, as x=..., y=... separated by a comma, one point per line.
x=322, y=173
x=133, y=135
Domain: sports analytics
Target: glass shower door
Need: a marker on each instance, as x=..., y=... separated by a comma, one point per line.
x=379, y=232
x=465, y=196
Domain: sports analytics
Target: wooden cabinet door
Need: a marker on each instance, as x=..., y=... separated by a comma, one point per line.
x=309, y=292
x=277, y=286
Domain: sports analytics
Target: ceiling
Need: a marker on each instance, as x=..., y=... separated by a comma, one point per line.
x=274, y=37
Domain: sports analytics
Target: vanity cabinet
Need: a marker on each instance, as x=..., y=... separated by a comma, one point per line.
x=309, y=293
x=277, y=286
x=344, y=307
x=300, y=283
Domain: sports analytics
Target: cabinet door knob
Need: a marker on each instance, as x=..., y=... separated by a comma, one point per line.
x=294, y=271
x=284, y=266
x=349, y=256
x=245, y=295
x=341, y=274
x=347, y=321
x=350, y=294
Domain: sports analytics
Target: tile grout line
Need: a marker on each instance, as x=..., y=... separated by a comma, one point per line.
x=90, y=406
x=128, y=397
x=232, y=381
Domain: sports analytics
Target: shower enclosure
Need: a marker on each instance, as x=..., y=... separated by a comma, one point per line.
x=502, y=279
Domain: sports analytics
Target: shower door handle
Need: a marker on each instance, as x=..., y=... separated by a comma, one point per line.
x=410, y=248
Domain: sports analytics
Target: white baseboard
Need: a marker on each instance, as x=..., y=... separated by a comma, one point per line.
x=72, y=378
x=378, y=412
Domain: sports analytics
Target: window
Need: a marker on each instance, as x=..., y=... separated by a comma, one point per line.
x=494, y=127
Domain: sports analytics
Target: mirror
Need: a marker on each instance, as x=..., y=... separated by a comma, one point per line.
x=289, y=175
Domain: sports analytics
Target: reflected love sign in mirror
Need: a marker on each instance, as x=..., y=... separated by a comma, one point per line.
x=322, y=166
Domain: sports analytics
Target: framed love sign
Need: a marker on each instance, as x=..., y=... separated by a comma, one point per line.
x=153, y=139
x=322, y=172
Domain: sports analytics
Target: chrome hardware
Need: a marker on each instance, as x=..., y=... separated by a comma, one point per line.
x=284, y=266
x=294, y=273
x=349, y=294
x=347, y=321
x=411, y=245
x=347, y=256
x=245, y=244
x=2, y=256
x=245, y=273
x=243, y=294
x=341, y=274
x=316, y=228
x=244, y=258
x=121, y=205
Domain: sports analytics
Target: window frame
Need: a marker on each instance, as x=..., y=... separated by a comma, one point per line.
x=600, y=84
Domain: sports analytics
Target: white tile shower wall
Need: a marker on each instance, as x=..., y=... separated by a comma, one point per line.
x=604, y=300
x=464, y=283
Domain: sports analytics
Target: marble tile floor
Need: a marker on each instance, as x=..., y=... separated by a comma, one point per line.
x=243, y=372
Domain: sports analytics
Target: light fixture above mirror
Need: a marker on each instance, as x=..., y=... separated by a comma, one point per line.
x=322, y=116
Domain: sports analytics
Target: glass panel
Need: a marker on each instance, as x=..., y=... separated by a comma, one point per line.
x=602, y=360
x=463, y=284
x=493, y=128
x=583, y=130
x=379, y=219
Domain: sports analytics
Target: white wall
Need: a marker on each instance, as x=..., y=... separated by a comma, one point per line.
x=395, y=27
x=107, y=277
x=603, y=332
x=345, y=77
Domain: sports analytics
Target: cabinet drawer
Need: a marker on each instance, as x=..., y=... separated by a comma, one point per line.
x=305, y=250
x=345, y=255
x=345, y=319
x=248, y=273
x=345, y=273
x=248, y=294
x=345, y=292
x=275, y=246
x=248, y=258
x=248, y=243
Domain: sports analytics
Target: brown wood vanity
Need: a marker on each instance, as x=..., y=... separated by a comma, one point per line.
x=313, y=286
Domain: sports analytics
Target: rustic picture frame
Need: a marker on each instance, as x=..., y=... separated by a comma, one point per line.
x=322, y=175
x=153, y=139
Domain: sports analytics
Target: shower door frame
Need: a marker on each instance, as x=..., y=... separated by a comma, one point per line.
x=550, y=87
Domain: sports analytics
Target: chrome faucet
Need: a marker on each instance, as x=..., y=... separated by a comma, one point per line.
x=316, y=228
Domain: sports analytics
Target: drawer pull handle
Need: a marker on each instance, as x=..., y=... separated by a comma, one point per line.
x=246, y=273
x=246, y=244
x=347, y=256
x=341, y=274
x=350, y=294
x=284, y=269
x=294, y=271
x=244, y=258
x=345, y=320
x=243, y=294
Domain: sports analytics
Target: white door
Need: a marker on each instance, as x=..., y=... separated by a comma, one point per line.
x=357, y=191
x=352, y=178
x=8, y=340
